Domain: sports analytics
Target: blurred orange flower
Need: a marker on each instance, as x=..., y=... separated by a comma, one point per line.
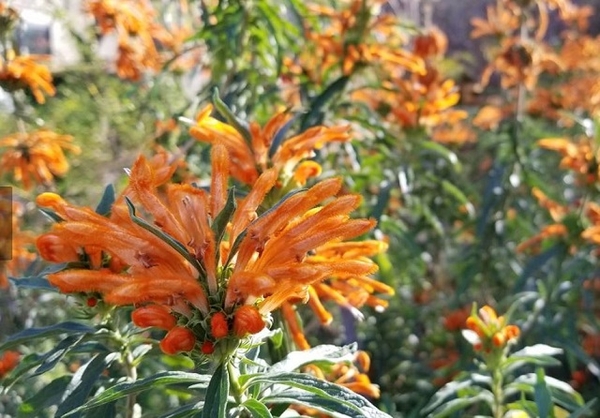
x=489, y=332
x=252, y=156
x=25, y=72
x=37, y=155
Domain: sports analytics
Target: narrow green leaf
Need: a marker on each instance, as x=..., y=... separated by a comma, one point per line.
x=37, y=282
x=27, y=335
x=220, y=224
x=542, y=396
x=185, y=411
x=586, y=410
x=257, y=409
x=325, y=353
x=50, y=395
x=106, y=202
x=233, y=120
x=82, y=383
x=215, y=401
x=441, y=150
x=451, y=407
x=303, y=389
x=123, y=389
x=315, y=115
x=279, y=137
x=52, y=357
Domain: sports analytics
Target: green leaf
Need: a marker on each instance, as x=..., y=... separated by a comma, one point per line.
x=320, y=354
x=106, y=202
x=50, y=395
x=304, y=389
x=220, y=224
x=82, y=383
x=315, y=115
x=448, y=390
x=279, y=137
x=37, y=282
x=185, y=411
x=123, y=389
x=451, y=407
x=257, y=409
x=233, y=120
x=25, y=336
x=439, y=149
x=543, y=399
x=585, y=411
x=215, y=401
x=52, y=357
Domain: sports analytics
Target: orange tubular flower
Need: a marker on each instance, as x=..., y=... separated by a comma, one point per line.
x=24, y=71
x=216, y=268
x=250, y=159
x=156, y=316
x=489, y=332
x=38, y=155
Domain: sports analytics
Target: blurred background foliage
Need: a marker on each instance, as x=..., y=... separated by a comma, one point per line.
x=449, y=177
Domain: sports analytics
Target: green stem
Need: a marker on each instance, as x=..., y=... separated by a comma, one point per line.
x=497, y=382
x=234, y=382
x=131, y=371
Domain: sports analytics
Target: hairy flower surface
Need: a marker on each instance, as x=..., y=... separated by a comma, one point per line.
x=219, y=265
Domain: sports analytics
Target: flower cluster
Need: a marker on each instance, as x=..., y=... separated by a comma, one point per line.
x=19, y=72
x=138, y=33
x=36, y=156
x=489, y=332
x=205, y=266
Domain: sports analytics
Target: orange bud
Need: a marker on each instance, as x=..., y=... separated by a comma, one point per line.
x=156, y=316
x=207, y=347
x=91, y=302
x=177, y=340
x=247, y=320
x=219, y=327
x=473, y=324
x=498, y=339
x=511, y=332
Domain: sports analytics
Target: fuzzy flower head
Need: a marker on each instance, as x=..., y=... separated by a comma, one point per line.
x=204, y=265
x=19, y=72
x=489, y=332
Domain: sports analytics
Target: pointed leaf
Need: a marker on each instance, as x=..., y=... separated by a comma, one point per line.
x=82, y=383
x=123, y=389
x=27, y=335
x=307, y=390
x=257, y=409
x=106, y=202
x=220, y=224
x=52, y=357
x=215, y=401
x=233, y=120
x=50, y=395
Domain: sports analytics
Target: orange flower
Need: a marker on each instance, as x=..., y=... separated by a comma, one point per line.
x=25, y=71
x=137, y=31
x=251, y=156
x=156, y=316
x=488, y=332
x=582, y=157
x=8, y=361
x=16, y=245
x=37, y=155
x=193, y=253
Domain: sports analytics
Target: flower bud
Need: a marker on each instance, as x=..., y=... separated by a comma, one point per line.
x=207, y=347
x=247, y=320
x=177, y=340
x=219, y=327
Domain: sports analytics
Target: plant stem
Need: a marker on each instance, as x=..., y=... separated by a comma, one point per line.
x=131, y=371
x=234, y=382
x=497, y=381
